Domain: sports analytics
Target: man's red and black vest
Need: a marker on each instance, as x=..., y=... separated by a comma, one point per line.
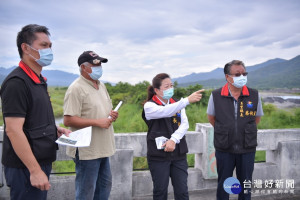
x=164, y=127
x=235, y=135
x=39, y=126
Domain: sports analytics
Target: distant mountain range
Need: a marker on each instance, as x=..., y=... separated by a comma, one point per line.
x=54, y=77
x=275, y=73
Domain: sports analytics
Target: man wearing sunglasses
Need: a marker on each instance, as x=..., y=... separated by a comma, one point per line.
x=234, y=111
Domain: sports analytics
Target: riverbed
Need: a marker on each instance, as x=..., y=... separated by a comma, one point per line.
x=281, y=100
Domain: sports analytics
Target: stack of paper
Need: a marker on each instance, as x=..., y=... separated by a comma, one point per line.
x=160, y=141
x=79, y=138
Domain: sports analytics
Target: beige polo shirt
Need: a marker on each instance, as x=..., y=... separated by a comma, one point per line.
x=85, y=101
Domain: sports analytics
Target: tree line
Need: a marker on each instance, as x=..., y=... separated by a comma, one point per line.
x=137, y=93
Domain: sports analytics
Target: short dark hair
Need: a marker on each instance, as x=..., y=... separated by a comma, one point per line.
x=228, y=66
x=27, y=35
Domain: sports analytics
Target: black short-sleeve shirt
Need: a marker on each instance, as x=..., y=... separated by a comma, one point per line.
x=14, y=97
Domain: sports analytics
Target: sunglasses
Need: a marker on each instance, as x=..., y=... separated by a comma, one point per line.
x=239, y=74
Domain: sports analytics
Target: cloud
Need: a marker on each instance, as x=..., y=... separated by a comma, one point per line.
x=143, y=38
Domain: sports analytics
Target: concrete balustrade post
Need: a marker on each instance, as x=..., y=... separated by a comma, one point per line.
x=121, y=167
x=288, y=160
x=206, y=161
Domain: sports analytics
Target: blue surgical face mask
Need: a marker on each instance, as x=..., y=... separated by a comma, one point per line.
x=46, y=56
x=96, y=73
x=168, y=93
x=239, y=81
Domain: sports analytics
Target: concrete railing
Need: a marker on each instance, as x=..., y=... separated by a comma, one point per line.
x=282, y=148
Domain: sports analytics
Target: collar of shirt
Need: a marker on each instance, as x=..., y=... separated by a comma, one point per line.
x=89, y=82
x=163, y=101
x=31, y=74
x=225, y=90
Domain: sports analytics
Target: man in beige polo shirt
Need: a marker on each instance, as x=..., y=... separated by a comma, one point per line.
x=87, y=103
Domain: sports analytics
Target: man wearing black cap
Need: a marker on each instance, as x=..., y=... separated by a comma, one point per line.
x=87, y=103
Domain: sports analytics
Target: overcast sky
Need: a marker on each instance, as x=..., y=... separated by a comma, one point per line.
x=143, y=38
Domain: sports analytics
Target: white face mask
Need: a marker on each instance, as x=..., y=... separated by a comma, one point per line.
x=239, y=81
x=168, y=93
x=96, y=73
x=46, y=56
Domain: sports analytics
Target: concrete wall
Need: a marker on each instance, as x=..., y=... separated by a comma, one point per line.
x=282, y=162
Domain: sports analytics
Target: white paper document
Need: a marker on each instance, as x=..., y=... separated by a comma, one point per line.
x=160, y=141
x=79, y=138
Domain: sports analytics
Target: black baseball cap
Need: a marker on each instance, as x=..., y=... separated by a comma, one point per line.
x=91, y=57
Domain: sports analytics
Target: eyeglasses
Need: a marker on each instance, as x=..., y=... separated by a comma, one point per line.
x=239, y=74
